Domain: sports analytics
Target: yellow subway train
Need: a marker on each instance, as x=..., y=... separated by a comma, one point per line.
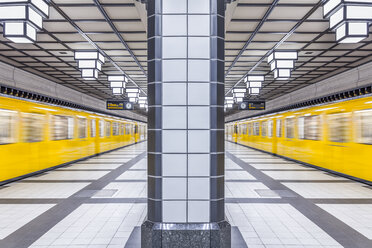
x=335, y=136
x=37, y=136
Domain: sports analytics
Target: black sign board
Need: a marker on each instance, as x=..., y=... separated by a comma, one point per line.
x=252, y=105
x=119, y=105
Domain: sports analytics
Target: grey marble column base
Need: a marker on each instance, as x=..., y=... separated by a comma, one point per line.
x=203, y=235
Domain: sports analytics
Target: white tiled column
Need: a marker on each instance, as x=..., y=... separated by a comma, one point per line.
x=186, y=115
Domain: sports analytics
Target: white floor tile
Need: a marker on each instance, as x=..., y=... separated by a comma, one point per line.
x=301, y=175
x=245, y=190
x=41, y=190
x=14, y=216
x=94, y=225
x=127, y=190
x=70, y=175
x=331, y=190
x=357, y=216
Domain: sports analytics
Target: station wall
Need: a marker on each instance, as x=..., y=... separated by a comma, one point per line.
x=354, y=78
x=18, y=78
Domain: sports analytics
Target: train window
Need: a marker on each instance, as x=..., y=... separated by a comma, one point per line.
x=278, y=128
x=270, y=128
x=135, y=129
x=301, y=127
x=264, y=128
x=338, y=127
x=115, y=129
x=256, y=128
x=127, y=129
x=249, y=129
x=7, y=126
x=108, y=128
x=364, y=126
x=289, y=128
x=312, y=127
x=121, y=129
x=244, y=127
x=82, y=128
x=101, y=128
x=62, y=127
x=33, y=126
x=93, y=128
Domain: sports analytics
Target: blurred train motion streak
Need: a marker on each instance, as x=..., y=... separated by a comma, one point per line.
x=35, y=136
x=336, y=136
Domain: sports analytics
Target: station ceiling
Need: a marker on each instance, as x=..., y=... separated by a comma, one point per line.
x=253, y=29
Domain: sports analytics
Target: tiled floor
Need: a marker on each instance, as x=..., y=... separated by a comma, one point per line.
x=98, y=203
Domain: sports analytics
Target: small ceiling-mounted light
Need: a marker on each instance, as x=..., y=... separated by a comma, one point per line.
x=349, y=18
x=117, y=91
x=117, y=81
x=22, y=19
x=142, y=100
x=254, y=91
x=90, y=63
x=254, y=83
x=282, y=63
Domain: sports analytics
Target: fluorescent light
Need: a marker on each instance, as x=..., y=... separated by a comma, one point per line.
x=89, y=74
x=22, y=18
x=256, y=78
x=90, y=63
x=117, y=85
x=281, y=63
x=117, y=91
x=239, y=95
x=133, y=99
x=254, y=84
x=132, y=95
x=229, y=98
x=89, y=55
x=239, y=90
x=117, y=79
x=254, y=91
x=132, y=90
x=349, y=18
x=238, y=99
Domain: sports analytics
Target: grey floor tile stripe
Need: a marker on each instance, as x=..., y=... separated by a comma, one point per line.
x=30, y=201
x=341, y=201
x=237, y=240
x=241, y=180
x=130, y=181
x=32, y=231
x=116, y=200
x=287, y=170
x=57, y=181
x=315, y=181
x=338, y=230
x=256, y=200
x=72, y=170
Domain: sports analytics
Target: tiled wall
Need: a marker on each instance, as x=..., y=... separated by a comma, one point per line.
x=186, y=122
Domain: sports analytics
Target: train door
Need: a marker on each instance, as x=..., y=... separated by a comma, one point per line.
x=338, y=137
x=235, y=133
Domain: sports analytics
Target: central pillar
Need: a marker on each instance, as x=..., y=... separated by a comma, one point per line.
x=186, y=125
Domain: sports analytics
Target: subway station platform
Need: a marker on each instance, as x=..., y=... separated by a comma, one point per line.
x=101, y=202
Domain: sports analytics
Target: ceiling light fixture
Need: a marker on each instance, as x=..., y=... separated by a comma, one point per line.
x=282, y=63
x=349, y=18
x=254, y=84
x=117, y=83
x=90, y=63
x=21, y=19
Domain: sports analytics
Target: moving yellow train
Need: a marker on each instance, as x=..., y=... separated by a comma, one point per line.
x=336, y=136
x=37, y=136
